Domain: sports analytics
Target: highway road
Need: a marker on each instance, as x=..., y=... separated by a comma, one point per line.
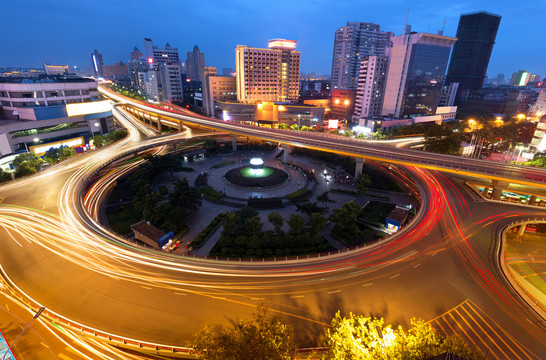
x=356, y=147
x=443, y=269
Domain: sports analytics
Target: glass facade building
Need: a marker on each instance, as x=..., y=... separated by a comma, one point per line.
x=476, y=35
x=424, y=79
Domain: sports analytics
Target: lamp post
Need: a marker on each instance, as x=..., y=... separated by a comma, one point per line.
x=36, y=316
x=299, y=118
x=346, y=103
x=92, y=132
x=519, y=154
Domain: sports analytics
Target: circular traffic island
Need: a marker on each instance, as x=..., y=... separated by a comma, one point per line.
x=256, y=175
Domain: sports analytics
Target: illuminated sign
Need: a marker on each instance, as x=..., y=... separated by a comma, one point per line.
x=43, y=148
x=282, y=44
x=333, y=124
x=92, y=107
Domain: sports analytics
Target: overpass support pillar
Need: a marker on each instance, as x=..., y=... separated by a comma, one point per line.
x=159, y=125
x=521, y=229
x=498, y=186
x=285, y=150
x=234, y=143
x=486, y=192
x=359, y=165
x=533, y=200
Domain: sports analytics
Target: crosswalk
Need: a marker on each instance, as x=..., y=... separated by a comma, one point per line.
x=480, y=331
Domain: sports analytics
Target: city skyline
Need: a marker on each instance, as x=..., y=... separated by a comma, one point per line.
x=312, y=24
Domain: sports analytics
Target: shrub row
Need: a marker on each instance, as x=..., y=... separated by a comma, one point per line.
x=267, y=203
x=222, y=164
x=211, y=194
x=199, y=240
x=299, y=195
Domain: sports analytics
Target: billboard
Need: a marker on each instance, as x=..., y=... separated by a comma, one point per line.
x=92, y=107
x=42, y=148
x=333, y=124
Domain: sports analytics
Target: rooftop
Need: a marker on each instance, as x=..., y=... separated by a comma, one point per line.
x=148, y=230
x=44, y=79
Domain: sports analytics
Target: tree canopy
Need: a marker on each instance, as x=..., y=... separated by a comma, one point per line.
x=263, y=337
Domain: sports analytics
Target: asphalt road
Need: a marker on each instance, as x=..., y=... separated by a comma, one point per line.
x=443, y=267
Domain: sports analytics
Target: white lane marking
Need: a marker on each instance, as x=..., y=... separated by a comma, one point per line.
x=180, y=294
x=257, y=298
x=397, y=275
x=333, y=292
x=417, y=265
x=368, y=284
x=296, y=296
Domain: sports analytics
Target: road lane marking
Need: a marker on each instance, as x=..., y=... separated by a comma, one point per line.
x=257, y=298
x=44, y=345
x=482, y=329
x=64, y=357
x=497, y=334
x=7, y=307
x=394, y=276
x=145, y=287
x=464, y=332
x=368, y=284
x=296, y=296
x=434, y=254
x=417, y=265
x=333, y=292
x=180, y=294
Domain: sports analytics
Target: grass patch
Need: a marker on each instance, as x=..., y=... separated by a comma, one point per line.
x=299, y=195
x=121, y=218
x=211, y=194
x=222, y=164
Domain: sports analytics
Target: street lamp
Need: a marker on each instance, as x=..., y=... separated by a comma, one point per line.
x=519, y=154
x=26, y=327
x=346, y=103
x=92, y=132
x=299, y=118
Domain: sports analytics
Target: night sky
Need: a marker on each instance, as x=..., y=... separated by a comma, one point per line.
x=66, y=32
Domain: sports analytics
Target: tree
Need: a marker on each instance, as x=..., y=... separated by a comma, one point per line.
x=294, y=127
x=263, y=337
x=363, y=183
x=99, y=140
x=283, y=126
x=211, y=146
x=323, y=198
x=25, y=169
x=310, y=208
x=185, y=198
x=364, y=338
x=52, y=156
x=345, y=218
x=296, y=223
x=317, y=222
x=446, y=145
x=276, y=220
x=5, y=176
x=66, y=152
x=29, y=158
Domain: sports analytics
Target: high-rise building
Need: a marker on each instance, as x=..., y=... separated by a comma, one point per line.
x=539, y=136
x=194, y=63
x=417, y=66
x=96, y=63
x=268, y=74
x=216, y=88
x=151, y=84
x=156, y=56
x=449, y=93
x=520, y=78
x=170, y=76
x=372, y=79
x=135, y=67
x=476, y=35
x=136, y=54
x=539, y=107
x=352, y=43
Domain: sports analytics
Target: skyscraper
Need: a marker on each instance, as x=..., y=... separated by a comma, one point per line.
x=95, y=63
x=352, y=43
x=136, y=54
x=156, y=56
x=164, y=78
x=194, y=63
x=268, y=74
x=371, y=86
x=417, y=66
x=476, y=35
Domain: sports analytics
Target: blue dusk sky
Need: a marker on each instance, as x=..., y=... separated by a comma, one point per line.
x=66, y=32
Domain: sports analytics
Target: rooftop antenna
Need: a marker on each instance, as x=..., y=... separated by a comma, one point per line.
x=429, y=20
x=407, y=28
x=444, y=26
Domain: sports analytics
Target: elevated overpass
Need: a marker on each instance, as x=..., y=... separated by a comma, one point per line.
x=500, y=174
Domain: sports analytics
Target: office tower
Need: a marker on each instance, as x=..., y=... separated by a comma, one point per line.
x=135, y=67
x=417, y=66
x=194, y=62
x=352, y=43
x=217, y=88
x=476, y=35
x=170, y=81
x=520, y=78
x=136, y=54
x=55, y=69
x=449, y=92
x=96, y=63
x=371, y=86
x=271, y=74
x=156, y=56
x=151, y=84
